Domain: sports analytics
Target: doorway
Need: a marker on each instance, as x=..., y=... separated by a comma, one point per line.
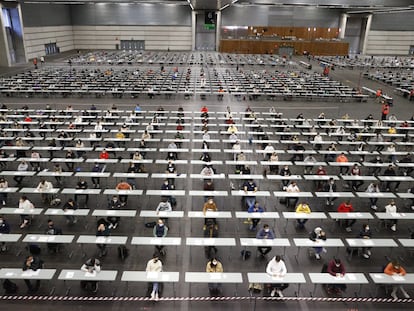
x=133, y=45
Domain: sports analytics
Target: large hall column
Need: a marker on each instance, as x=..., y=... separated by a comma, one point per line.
x=193, y=29
x=366, y=33
x=218, y=32
x=342, y=25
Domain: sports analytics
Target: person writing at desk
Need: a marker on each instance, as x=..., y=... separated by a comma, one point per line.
x=276, y=268
x=33, y=263
x=209, y=206
x=70, y=205
x=4, y=229
x=25, y=204
x=302, y=208
x=391, y=208
x=113, y=205
x=102, y=231
x=91, y=266
x=256, y=208
x=318, y=235
x=160, y=230
x=293, y=187
x=52, y=230
x=346, y=207
x=82, y=185
x=154, y=265
x=394, y=268
x=336, y=268
x=250, y=186
x=3, y=195
x=214, y=266
x=267, y=234
x=123, y=186
x=44, y=187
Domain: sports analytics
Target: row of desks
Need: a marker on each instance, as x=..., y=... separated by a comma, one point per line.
x=204, y=277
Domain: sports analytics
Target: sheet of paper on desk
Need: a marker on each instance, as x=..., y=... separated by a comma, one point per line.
x=368, y=242
x=69, y=275
x=9, y=273
x=398, y=278
x=90, y=274
x=100, y=240
x=152, y=275
x=351, y=276
x=215, y=276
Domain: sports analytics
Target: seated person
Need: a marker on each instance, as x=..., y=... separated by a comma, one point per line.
x=394, y=268
x=114, y=204
x=365, y=233
x=93, y=266
x=249, y=186
x=4, y=229
x=265, y=233
x=276, y=268
x=102, y=231
x=209, y=206
x=256, y=208
x=318, y=234
x=160, y=230
x=52, y=230
x=207, y=171
x=346, y=207
x=70, y=205
x=34, y=263
x=210, y=230
x=304, y=209
x=122, y=186
x=214, y=266
x=336, y=268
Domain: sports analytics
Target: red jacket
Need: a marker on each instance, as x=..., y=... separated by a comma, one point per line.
x=345, y=208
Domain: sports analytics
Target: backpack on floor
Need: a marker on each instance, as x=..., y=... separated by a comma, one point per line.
x=10, y=287
x=123, y=252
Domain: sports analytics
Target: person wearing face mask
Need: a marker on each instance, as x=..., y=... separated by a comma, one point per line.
x=209, y=206
x=4, y=229
x=3, y=195
x=70, y=205
x=268, y=234
x=25, y=204
x=97, y=168
x=365, y=233
x=114, y=204
x=330, y=186
x=276, y=268
x=93, y=266
x=336, y=268
x=154, y=265
x=52, y=230
x=214, y=266
x=32, y=263
x=391, y=208
x=160, y=231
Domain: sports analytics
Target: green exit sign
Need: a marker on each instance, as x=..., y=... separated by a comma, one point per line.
x=209, y=26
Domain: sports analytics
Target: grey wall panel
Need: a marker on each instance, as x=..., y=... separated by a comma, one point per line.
x=130, y=14
x=36, y=15
x=274, y=16
x=393, y=21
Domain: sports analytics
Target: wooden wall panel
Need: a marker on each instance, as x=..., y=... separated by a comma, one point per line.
x=269, y=47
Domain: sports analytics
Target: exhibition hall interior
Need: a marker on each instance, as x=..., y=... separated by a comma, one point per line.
x=206, y=154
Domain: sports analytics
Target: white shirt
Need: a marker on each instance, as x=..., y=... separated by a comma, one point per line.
x=292, y=188
x=154, y=266
x=391, y=208
x=275, y=268
x=45, y=187
x=26, y=204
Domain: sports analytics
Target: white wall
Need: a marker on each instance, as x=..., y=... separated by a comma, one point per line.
x=156, y=37
x=36, y=38
x=389, y=42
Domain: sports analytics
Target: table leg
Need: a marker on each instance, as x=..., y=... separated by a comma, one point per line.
x=297, y=255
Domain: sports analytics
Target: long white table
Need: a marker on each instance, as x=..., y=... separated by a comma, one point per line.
x=114, y=213
x=294, y=215
x=382, y=278
x=388, y=243
x=348, y=278
x=78, y=275
x=306, y=242
x=143, y=276
x=253, y=242
x=288, y=278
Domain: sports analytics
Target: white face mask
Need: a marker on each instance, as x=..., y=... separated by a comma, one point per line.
x=266, y=230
